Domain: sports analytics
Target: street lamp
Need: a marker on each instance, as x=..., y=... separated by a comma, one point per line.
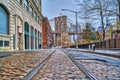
x=76, y=22
x=119, y=8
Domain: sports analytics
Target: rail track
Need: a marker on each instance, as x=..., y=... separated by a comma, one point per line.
x=59, y=65
x=80, y=66
x=102, y=66
x=19, y=64
x=37, y=68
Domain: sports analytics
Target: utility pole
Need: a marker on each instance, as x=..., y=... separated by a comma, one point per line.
x=76, y=30
x=119, y=8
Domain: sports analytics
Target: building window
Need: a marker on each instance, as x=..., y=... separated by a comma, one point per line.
x=26, y=35
x=3, y=21
x=32, y=37
x=35, y=1
x=39, y=40
x=6, y=43
x=40, y=6
x=39, y=21
x=20, y=1
x=26, y=4
x=31, y=11
x=1, y=43
x=35, y=16
x=35, y=39
x=26, y=27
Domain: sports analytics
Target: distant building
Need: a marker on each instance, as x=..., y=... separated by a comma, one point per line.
x=47, y=35
x=73, y=28
x=62, y=26
x=20, y=24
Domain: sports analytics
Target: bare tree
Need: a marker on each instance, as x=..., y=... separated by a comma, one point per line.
x=99, y=10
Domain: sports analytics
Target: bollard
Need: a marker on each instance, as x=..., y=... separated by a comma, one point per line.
x=89, y=47
x=93, y=47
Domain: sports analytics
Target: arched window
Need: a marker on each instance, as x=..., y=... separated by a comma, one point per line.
x=26, y=30
x=35, y=38
x=39, y=40
x=32, y=37
x=3, y=21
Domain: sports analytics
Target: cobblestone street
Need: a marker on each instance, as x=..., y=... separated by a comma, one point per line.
x=57, y=65
x=59, y=39
x=17, y=66
x=60, y=67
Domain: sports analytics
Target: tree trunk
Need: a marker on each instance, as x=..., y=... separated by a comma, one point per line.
x=101, y=15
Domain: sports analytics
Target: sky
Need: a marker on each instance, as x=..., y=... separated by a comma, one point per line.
x=52, y=8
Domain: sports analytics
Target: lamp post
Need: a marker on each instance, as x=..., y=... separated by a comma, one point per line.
x=76, y=22
x=119, y=8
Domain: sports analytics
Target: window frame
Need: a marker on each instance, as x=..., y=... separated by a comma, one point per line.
x=7, y=21
x=6, y=43
x=31, y=11
x=1, y=43
x=19, y=1
x=35, y=16
x=26, y=5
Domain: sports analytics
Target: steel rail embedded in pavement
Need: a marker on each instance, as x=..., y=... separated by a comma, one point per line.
x=36, y=69
x=84, y=70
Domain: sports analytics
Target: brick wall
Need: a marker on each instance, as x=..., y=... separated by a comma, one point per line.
x=47, y=36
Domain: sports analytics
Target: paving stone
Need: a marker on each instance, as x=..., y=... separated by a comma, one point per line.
x=60, y=67
x=17, y=66
x=101, y=70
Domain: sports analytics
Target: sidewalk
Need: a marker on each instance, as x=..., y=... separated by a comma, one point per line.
x=9, y=53
x=113, y=53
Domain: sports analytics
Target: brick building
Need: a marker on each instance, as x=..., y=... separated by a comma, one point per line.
x=20, y=24
x=47, y=35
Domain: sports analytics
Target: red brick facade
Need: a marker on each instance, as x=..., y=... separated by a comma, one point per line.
x=47, y=35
